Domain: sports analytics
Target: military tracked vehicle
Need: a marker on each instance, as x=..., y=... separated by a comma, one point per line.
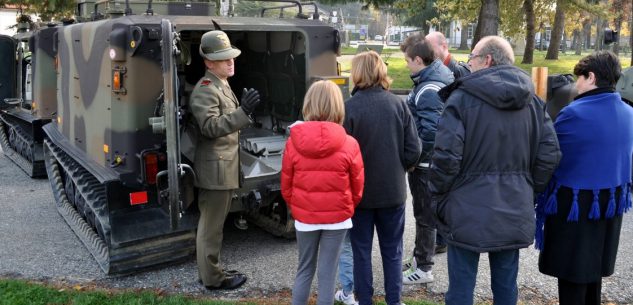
x=117, y=150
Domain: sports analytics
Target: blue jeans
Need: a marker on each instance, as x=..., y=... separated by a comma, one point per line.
x=462, y=275
x=389, y=224
x=346, y=266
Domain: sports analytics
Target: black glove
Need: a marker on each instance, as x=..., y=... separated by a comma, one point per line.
x=250, y=100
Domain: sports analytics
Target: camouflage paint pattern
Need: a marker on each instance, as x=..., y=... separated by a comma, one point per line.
x=90, y=113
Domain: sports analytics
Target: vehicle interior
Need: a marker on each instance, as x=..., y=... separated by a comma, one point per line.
x=273, y=63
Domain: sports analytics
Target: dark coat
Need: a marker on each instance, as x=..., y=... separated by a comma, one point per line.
x=495, y=145
x=385, y=130
x=583, y=251
x=425, y=105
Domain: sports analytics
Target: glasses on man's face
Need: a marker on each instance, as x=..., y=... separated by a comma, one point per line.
x=471, y=56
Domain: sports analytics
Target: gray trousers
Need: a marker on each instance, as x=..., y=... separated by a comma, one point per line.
x=320, y=248
x=213, y=206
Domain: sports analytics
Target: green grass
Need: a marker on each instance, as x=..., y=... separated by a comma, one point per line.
x=14, y=292
x=18, y=292
x=400, y=74
x=385, y=50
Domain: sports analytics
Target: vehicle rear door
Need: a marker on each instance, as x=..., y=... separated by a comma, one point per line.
x=176, y=170
x=8, y=79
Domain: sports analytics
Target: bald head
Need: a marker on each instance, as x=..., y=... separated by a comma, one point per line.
x=498, y=48
x=439, y=44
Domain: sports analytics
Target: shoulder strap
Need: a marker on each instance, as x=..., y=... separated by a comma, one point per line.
x=290, y=58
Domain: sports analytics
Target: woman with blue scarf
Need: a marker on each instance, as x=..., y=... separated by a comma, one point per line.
x=581, y=213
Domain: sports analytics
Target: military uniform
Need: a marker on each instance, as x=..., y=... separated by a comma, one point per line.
x=218, y=119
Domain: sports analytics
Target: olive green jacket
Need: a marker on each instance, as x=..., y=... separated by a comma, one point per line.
x=219, y=118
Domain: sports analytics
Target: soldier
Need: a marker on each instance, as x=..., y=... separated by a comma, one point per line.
x=218, y=117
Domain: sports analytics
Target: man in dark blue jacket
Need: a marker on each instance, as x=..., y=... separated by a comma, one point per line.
x=495, y=147
x=429, y=75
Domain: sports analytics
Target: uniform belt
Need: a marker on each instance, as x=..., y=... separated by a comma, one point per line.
x=423, y=165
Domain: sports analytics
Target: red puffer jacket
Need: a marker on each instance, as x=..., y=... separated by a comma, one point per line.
x=322, y=174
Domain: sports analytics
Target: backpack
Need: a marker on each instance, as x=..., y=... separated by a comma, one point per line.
x=560, y=92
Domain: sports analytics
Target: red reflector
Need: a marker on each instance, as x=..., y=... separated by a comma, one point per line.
x=151, y=168
x=138, y=198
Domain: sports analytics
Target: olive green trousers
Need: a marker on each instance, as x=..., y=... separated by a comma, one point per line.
x=214, y=205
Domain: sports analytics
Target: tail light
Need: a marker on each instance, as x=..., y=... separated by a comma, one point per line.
x=118, y=75
x=116, y=80
x=138, y=198
x=151, y=167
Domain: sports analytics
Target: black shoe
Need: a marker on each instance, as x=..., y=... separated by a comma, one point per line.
x=230, y=282
x=440, y=249
x=231, y=272
x=226, y=273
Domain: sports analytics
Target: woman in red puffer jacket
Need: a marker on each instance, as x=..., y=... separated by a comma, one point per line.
x=322, y=178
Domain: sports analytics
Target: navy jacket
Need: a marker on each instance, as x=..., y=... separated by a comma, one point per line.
x=384, y=128
x=495, y=146
x=425, y=105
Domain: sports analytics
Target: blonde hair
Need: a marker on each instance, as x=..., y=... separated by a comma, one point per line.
x=324, y=102
x=369, y=70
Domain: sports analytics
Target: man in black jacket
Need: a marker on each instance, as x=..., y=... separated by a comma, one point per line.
x=440, y=48
x=495, y=146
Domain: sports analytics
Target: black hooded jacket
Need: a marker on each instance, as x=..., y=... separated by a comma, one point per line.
x=495, y=146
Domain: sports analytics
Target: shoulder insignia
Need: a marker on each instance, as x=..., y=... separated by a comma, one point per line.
x=206, y=82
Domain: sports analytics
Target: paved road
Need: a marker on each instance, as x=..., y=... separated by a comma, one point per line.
x=35, y=243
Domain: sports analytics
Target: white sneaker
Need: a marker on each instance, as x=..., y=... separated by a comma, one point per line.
x=409, y=264
x=346, y=299
x=417, y=276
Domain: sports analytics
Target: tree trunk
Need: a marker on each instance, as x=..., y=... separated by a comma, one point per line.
x=488, y=21
x=541, y=40
x=477, y=33
x=587, y=32
x=599, y=35
x=618, y=6
x=530, y=19
x=463, y=42
x=426, y=28
x=631, y=34
x=578, y=46
x=557, y=30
